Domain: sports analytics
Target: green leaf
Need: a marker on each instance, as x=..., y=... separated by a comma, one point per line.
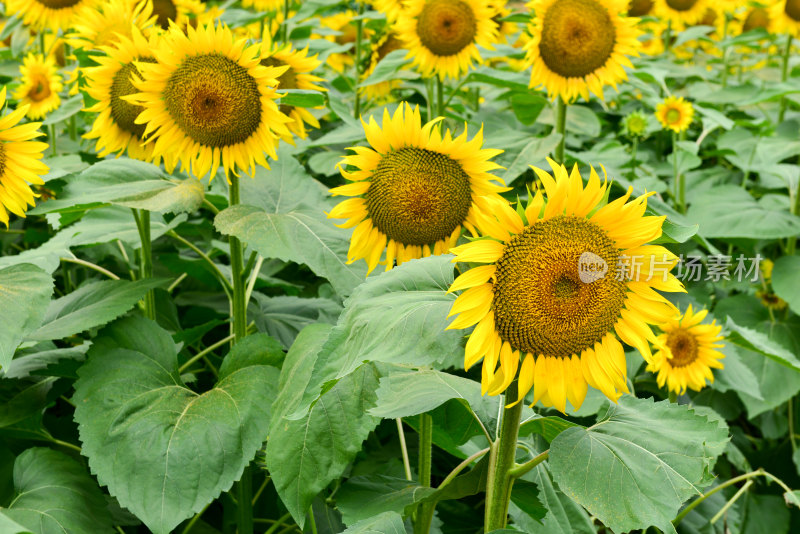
x=727, y=211
x=635, y=467
x=387, y=68
x=23, y=401
x=283, y=317
x=499, y=78
x=363, y=497
x=765, y=514
x=258, y=349
x=24, y=295
x=9, y=526
x=302, y=98
x=92, y=305
x=163, y=450
x=37, y=362
x=757, y=342
x=776, y=384
x=129, y=183
x=533, y=153
x=56, y=496
x=736, y=375
x=525, y=495
x=786, y=280
x=548, y=427
x=67, y=109
x=397, y=317
x=527, y=106
x=385, y=523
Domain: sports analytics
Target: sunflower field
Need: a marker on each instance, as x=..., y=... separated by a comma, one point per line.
x=399, y=266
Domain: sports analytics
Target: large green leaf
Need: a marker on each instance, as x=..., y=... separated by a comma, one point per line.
x=9, y=526
x=92, y=305
x=22, y=399
x=397, y=317
x=55, y=495
x=284, y=316
x=163, y=450
x=129, y=183
x=786, y=280
x=635, y=467
x=761, y=343
x=729, y=211
x=304, y=456
x=533, y=153
x=24, y=295
x=363, y=497
x=385, y=523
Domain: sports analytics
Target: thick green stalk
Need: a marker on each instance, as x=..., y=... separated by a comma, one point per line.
x=785, y=74
x=501, y=464
x=53, y=142
x=634, y=151
x=678, y=181
x=422, y=521
x=791, y=245
x=359, y=38
x=439, y=97
x=244, y=488
x=142, y=218
x=285, y=29
x=561, y=127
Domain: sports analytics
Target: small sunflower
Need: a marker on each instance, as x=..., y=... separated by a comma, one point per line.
x=47, y=14
x=209, y=102
x=564, y=279
x=114, y=127
x=687, y=352
x=635, y=125
x=442, y=36
x=675, y=114
x=297, y=76
x=99, y=25
x=388, y=43
x=639, y=8
x=578, y=46
x=681, y=13
x=20, y=163
x=343, y=24
x=390, y=8
x=415, y=189
x=785, y=16
x=181, y=12
x=40, y=86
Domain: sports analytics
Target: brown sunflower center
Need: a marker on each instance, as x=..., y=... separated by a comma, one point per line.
x=165, y=11
x=124, y=113
x=757, y=18
x=673, y=116
x=446, y=27
x=418, y=197
x=40, y=88
x=58, y=4
x=578, y=37
x=391, y=44
x=637, y=8
x=792, y=8
x=683, y=346
x=681, y=5
x=214, y=100
x=709, y=18
x=543, y=302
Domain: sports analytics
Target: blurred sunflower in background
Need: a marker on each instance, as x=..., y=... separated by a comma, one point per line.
x=296, y=76
x=414, y=190
x=784, y=16
x=264, y=5
x=380, y=92
x=100, y=25
x=40, y=87
x=181, y=12
x=675, y=114
x=390, y=8
x=114, y=127
x=640, y=8
x=342, y=23
x=209, y=102
x=20, y=161
x=47, y=14
x=681, y=13
x=442, y=36
x=687, y=352
x=753, y=18
x=578, y=46
x=556, y=291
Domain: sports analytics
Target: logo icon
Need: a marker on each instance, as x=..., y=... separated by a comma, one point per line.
x=591, y=267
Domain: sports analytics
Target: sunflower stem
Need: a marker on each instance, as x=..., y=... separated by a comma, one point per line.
x=142, y=218
x=679, y=184
x=439, y=97
x=561, y=127
x=725, y=54
x=673, y=397
x=359, y=38
x=403, y=448
x=53, y=143
x=502, y=455
x=285, y=29
x=727, y=483
x=244, y=488
x=791, y=244
x=785, y=75
x=424, y=516
x=634, y=150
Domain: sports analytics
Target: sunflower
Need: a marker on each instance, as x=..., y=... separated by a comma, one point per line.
x=181, y=12
x=342, y=23
x=100, y=25
x=579, y=46
x=675, y=114
x=652, y=42
x=639, y=8
x=754, y=18
x=785, y=16
x=415, y=189
x=442, y=36
x=114, y=127
x=209, y=102
x=264, y=5
x=40, y=85
x=389, y=42
x=20, y=163
x=297, y=76
x=687, y=352
x=681, y=13
x=390, y=8
x=561, y=278
x=46, y=14
x=635, y=125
